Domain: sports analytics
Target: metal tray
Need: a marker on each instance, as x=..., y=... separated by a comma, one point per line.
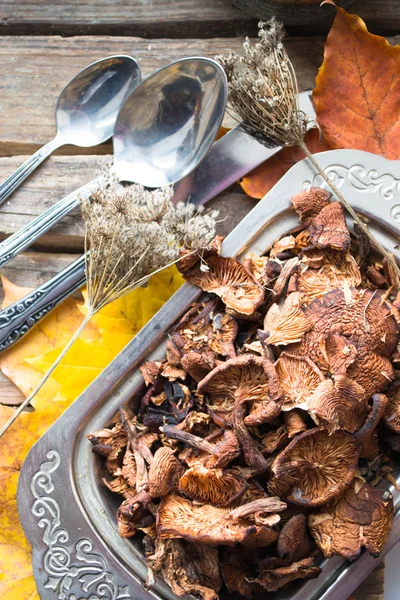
x=66, y=512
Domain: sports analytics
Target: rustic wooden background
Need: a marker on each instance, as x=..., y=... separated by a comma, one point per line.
x=44, y=43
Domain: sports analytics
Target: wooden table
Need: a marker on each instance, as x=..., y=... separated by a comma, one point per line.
x=44, y=44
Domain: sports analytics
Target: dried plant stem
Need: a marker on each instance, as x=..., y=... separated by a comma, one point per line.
x=47, y=375
x=349, y=208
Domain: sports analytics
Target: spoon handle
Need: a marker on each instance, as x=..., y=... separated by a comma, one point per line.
x=19, y=318
x=9, y=185
x=24, y=238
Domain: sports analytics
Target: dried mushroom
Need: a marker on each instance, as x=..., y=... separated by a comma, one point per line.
x=229, y=280
x=212, y=486
x=361, y=518
x=339, y=403
x=288, y=324
x=181, y=518
x=315, y=467
x=392, y=411
x=274, y=579
x=244, y=379
x=263, y=433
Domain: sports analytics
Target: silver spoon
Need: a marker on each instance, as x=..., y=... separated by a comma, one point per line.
x=86, y=111
x=163, y=131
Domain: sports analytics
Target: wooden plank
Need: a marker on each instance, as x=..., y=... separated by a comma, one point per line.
x=61, y=175
x=31, y=82
x=163, y=18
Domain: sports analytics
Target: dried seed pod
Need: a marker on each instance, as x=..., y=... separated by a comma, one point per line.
x=358, y=519
x=328, y=229
x=309, y=203
x=164, y=473
x=315, y=467
x=229, y=280
x=288, y=324
x=339, y=403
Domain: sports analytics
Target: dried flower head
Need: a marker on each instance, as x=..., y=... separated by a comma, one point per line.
x=263, y=87
x=133, y=233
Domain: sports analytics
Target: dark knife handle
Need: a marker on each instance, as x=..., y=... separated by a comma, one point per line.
x=18, y=319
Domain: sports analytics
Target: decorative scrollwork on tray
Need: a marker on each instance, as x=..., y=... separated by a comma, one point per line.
x=65, y=566
x=362, y=179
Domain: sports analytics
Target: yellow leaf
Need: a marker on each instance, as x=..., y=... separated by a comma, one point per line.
x=106, y=335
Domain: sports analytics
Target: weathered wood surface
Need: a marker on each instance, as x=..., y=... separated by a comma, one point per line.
x=161, y=18
x=31, y=83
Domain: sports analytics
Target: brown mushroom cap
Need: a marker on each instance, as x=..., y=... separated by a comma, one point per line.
x=274, y=579
x=328, y=228
x=164, y=473
x=392, y=411
x=198, y=365
x=298, y=379
x=212, y=486
x=333, y=270
x=246, y=378
x=366, y=436
x=288, y=324
x=339, y=403
x=238, y=572
x=187, y=568
x=366, y=320
x=310, y=202
x=358, y=519
x=229, y=280
x=294, y=541
x=206, y=524
x=222, y=334
x=315, y=467
x=338, y=353
x=286, y=243
x=294, y=423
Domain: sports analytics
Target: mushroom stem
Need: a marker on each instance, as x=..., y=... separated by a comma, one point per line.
x=262, y=505
x=188, y=438
x=252, y=454
x=349, y=208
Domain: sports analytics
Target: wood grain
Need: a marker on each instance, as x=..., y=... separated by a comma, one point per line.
x=163, y=18
x=31, y=83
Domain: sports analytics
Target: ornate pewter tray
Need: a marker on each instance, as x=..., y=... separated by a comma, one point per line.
x=69, y=516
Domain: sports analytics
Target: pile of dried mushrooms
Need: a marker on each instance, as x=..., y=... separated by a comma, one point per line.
x=265, y=435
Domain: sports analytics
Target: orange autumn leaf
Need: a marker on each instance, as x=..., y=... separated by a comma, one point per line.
x=259, y=181
x=357, y=101
x=24, y=363
x=357, y=94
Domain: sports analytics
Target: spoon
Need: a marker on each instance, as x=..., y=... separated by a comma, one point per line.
x=163, y=131
x=85, y=113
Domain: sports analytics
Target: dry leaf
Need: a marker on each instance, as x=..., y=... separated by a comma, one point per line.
x=259, y=181
x=357, y=101
x=102, y=339
x=357, y=96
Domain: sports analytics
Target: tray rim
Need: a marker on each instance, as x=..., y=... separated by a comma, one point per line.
x=249, y=230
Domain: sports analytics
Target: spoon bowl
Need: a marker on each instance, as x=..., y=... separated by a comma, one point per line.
x=169, y=122
x=86, y=111
x=88, y=106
